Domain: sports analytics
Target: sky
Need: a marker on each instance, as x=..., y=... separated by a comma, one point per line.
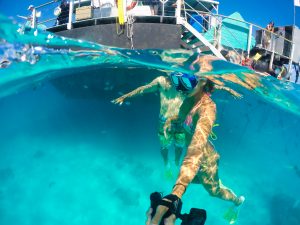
x=259, y=12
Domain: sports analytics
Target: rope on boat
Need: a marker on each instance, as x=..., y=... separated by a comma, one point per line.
x=130, y=22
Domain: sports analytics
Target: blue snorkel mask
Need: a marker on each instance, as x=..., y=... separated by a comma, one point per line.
x=183, y=82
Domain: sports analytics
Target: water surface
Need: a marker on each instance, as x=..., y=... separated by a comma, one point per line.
x=69, y=156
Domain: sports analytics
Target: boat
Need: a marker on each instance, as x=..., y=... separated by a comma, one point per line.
x=168, y=24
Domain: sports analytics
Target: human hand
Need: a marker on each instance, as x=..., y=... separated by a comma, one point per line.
x=237, y=95
x=119, y=101
x=166, y=209
x=160, y=212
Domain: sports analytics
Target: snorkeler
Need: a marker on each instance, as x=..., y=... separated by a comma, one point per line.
x=170, y=102
x=200, y=165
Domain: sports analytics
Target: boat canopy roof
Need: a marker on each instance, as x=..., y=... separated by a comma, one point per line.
x=234, y=32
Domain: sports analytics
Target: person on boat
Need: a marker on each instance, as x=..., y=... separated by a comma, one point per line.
x=268, y=35
x=30, y=8
x=31, y=16
x=63, y=16
x=154, y=6
x=200, y=165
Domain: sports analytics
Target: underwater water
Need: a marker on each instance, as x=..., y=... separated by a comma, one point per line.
x=70, y=156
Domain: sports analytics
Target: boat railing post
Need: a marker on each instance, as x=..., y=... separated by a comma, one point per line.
x=33, y=22
x=249, y=40
x=71, y=8
x=291, y=56
x=178, y=12
x=219, y=34
x=262, y=36
x=273, y=53
x=163, y=2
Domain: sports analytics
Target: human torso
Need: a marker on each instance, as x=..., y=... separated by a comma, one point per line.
x=192, y=117
x=174, y=103
x=170, y=100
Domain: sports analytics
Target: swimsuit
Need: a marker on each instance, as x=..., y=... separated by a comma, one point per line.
x=176, y=133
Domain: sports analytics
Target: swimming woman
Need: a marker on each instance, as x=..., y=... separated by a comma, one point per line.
x=200, y=165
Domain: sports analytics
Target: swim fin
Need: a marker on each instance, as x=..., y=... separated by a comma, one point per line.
x=231, y=214
x=168, y=172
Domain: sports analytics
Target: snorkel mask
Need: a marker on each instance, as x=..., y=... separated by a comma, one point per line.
x=183, y=82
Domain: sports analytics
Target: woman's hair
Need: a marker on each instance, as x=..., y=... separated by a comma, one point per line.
x=208, y=86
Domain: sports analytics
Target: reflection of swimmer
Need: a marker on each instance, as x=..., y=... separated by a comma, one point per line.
x=250, y=81
x=204, y=63
x=200, y=165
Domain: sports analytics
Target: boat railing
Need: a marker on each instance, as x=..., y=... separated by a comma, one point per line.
x=47, y=14
x=276, y=43
x=207, y=10
x=81, y=10
x=261, y=34
x=214, y=23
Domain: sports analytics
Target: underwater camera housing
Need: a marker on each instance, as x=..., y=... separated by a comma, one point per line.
x=195, y=217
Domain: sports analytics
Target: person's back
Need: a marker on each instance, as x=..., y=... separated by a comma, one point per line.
x=170, y=99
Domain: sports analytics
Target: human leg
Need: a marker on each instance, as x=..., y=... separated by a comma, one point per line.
x=164, y=151
x=178, y=153
x=188, y=168
x=179, y=146
x=165, y=142
x=208, y=176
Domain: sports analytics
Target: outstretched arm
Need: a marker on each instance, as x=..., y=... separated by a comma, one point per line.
x=151, y=87
x=231, y=91
x=193, y=158
x=197, y=148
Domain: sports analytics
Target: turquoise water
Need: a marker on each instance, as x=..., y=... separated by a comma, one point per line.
x=69, y=156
